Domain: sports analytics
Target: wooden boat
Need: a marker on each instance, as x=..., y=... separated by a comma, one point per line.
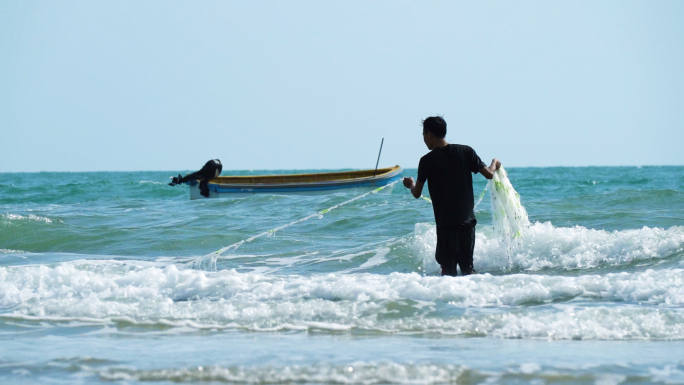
x=224, y=186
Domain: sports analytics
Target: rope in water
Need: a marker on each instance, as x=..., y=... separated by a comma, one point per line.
x=215, y=255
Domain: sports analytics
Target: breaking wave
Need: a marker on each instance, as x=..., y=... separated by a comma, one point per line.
x=508, y=306
x=545, y=247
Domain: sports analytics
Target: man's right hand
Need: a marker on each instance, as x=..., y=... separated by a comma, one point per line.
x=416, y=188
x=488, y=172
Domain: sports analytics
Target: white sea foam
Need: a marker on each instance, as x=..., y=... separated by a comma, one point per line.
x=547, y=247
x=383, y=371
x=151, y=182
x=389, y=373
x=10, y=251
x=573, y=307
x=512, y=243
x=378, y=258
x=30, y=217
x=355, y=373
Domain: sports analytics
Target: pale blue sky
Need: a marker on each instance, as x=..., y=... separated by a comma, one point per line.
x=167, y=85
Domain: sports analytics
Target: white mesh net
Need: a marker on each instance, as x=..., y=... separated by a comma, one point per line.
x=509, y=217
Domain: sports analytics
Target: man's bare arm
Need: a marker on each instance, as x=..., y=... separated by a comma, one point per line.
x=416, y=188
x=488, y=172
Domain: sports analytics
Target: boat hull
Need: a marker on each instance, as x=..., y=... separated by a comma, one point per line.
x=320, y=183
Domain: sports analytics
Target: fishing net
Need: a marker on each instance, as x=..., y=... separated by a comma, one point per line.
x=509, y=217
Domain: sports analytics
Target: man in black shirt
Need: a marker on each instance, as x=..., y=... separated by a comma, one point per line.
x=447, y=168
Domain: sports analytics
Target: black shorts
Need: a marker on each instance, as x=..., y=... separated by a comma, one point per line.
x=455, y=246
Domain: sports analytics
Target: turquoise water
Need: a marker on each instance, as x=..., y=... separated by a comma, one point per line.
x=99, y=283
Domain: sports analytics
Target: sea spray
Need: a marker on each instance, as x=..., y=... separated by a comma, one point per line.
x=509, y=217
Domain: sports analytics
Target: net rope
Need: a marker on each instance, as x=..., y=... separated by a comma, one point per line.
x=211, y=259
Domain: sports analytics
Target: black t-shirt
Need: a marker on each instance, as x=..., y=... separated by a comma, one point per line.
x=448, y=173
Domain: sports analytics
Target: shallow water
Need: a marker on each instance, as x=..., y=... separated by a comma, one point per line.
x=99, y=282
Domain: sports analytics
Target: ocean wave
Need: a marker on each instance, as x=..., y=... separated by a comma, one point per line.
x=544, y=246
x=398, y=373
x=354, y=373
x=362, y=372
x=573, y=323
x=509, y=306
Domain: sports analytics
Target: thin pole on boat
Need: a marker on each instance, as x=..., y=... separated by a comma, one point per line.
x=376, y=163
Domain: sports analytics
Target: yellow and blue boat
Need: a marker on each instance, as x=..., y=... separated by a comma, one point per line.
x=234, y=186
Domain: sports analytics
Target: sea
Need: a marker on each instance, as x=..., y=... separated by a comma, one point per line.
x=119, y=278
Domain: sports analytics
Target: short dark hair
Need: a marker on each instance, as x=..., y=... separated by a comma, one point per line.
x=436, y=125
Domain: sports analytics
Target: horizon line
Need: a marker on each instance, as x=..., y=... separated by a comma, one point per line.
x=327, y=169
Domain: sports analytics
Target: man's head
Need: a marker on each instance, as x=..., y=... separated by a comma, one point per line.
x=436, y=125
x=434, y=131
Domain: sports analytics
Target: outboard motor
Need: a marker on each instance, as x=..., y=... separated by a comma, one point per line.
x=211, y=170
